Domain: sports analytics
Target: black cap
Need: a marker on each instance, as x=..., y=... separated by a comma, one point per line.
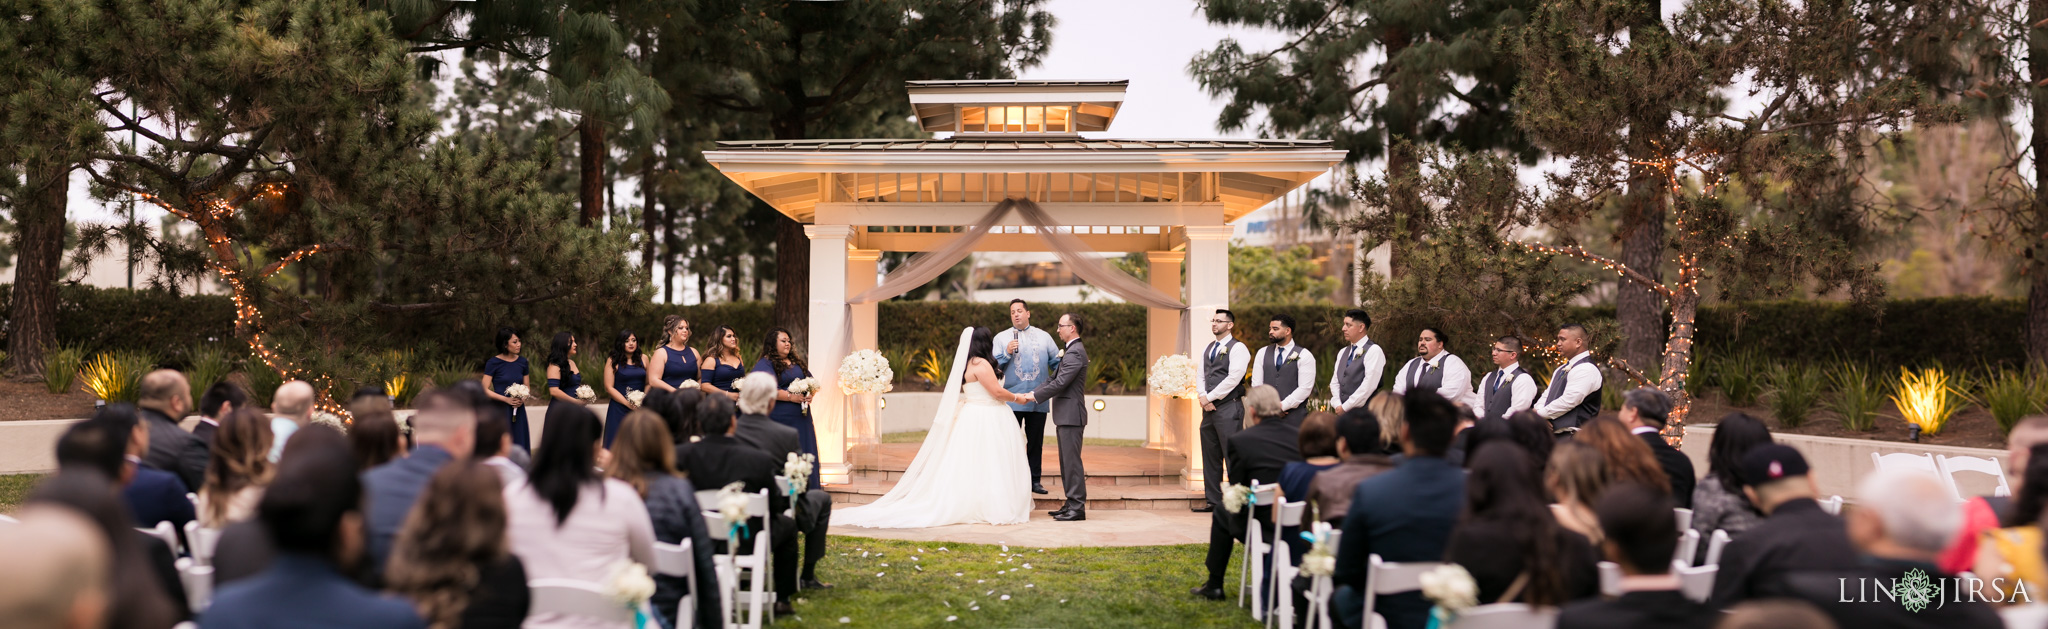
x=1771, y=462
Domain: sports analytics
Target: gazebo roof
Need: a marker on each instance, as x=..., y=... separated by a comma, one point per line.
x=985, y=143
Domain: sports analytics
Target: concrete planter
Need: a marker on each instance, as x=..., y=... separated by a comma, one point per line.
x=1838, y=463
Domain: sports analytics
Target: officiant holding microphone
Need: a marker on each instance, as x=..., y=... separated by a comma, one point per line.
x=1026, y=356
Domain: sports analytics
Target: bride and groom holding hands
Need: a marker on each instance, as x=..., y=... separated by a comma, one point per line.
x=980, y=462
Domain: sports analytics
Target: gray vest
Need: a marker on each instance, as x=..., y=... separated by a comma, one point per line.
x=1584, y=412
x=1218, y=368
x=1351, y=369
x=1430, y=381
x=1496, y=393
x=1285, y=379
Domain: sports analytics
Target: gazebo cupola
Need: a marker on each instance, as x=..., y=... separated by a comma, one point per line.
x=1013, y=108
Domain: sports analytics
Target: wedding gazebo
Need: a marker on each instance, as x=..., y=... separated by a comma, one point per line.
x=1021, y=142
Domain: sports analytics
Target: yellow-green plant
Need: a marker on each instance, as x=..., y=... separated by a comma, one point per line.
x=934, y=368
x=209, y=364
x=2010, y=395
x=1928, y=398
x=1131, y=376
x=1857, y=396
x=60, y=368
x=1795, y=389
x=402, y=388
x=115, y=377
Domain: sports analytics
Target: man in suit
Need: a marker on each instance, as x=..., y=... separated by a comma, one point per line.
x=220, y=399
x=165, y=398
x=314, y=516
x=1636, y=522
x=1405, y=514
x=1290, y=369
x=1027, y=356
x=57, y=571
x=110, y=443
x=1257, y=454
x=1222, y=369
x=1900, y=526
x=1509, y=389
x=721, y=459
x=1357, y=373
x=1069, y=409
x=1574, y=394
x=1644, y=411
x=814, y=510
x=1796, y=535
x=445, y=429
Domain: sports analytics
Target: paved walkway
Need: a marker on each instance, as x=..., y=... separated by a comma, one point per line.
x=1102, y=528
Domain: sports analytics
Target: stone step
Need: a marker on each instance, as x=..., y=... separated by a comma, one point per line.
x=1154, y=497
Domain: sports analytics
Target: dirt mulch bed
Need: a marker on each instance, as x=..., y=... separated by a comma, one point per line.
x=29, y=400
x=1971, y=428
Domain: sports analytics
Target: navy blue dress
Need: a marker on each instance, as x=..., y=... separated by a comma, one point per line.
x=722, y=375
x=627, y=378
x=504, y=374
x=792, y=414
x=681, y=365
x=569, y=386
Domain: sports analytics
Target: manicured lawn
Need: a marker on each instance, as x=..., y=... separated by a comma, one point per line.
x=1095, y=588
x=14, y=489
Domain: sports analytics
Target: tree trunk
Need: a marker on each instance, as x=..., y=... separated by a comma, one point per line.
x=732, y=280
x=1685, y=305
x=1401, y=162
x=39, y=250
x=590, y=136
x=792, y=280
x=650, y=218
x=2037, y=260
x=755, y=271
x=1639, y=310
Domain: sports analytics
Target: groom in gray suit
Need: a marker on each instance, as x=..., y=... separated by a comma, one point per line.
x=1063, y=392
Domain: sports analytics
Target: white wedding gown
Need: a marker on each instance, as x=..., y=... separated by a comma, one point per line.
x=970, y=470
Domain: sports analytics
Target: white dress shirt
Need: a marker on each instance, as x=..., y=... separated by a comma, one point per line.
x=1584, y=380
x=1521, y=391
x=1305, y=383
x=1239, y=357
x=1375, y=364
x=1457, y=378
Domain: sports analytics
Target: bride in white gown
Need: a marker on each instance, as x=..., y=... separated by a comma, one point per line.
x=971, y=468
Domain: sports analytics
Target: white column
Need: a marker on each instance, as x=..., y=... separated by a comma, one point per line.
x=860, y=276
x=828, y=323
x=1208, y=290
x=1162, y=331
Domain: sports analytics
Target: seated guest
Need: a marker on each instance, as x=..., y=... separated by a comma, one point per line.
x=245, y=549
x=1481, y=431
x=1629, y=460
x=165, y=398
x=375, y=439
x=445, y=426
x=146, y=591
x=291, y=408
x=2012, y=557
x=451, y=559
x=644, y=456
x=481, y=402
x=1717, y=502
x=1641, y=539
x=1255, y=454
x=1776, y=613
x=568, y=522
x=1643, y=411
x=56, y=575
x=1506, y=538
x=1902, y=521
x=1317, y=444
x=1796, y=535
x=718, y=460
x=1983, y=514
x=1534, y=433
x=1576, y=476
x=1402, y=515
x=678, y=410
x=151, y=495
x=494, y=447
x=314, y=516
x=239, y=470
x=1358, y=441
x=1389, y=409
x=220, y=399
x=754, y=428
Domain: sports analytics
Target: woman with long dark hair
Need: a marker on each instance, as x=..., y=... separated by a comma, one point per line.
x=625, y=371
x=451, y=558
x=564, y=377
x=679, y=413
x=779, y=359
x=501, y=372
x=724, y=365
x=375, y=439
x=1629, y=460
x=1717, y=501
x=1508, y=540
x=645, y=457
x=568, y=522
x=675, y=362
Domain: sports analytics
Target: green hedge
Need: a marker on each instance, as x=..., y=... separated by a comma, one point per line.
x=158, y=322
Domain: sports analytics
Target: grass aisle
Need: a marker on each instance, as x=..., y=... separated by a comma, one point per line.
x=14, y=488
x=883, y=583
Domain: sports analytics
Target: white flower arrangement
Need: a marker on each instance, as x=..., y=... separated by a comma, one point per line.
x=1451, y=588
x=732, y=503
x=1173, y=375
x=330, y=420
x=866, y=371
x=586, y=393
x=518, y=392
x=687, y=385
x=635, y=397
x=798, y=470
x=803, y=386
x=630, y=585
x=1235, y=497
x=738, y=384
x=1321, y=559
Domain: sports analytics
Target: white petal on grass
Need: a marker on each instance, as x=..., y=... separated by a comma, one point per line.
x=958, y=574
x=1030, y=585
x=885, y=565
x=844, y=620
x=952, y=618
x=1006, y=597
x=880, y=573
x=1027, y=566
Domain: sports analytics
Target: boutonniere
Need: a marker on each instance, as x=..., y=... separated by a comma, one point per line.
x=1290, y=357
x=1059, y=354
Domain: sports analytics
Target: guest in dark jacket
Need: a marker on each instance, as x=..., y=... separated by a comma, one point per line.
x=140, y=598
x=151, y=495
x=1255, y=454
x=1406, y=514
x=1902, y=522
x=451, y=559
x=1795, y=536
x=445, y=428
x=814, y=505
x=644, y=455
x=1317, y=444
x=308, y=513
x=220, y=399
x=719, y=460
x=1358, y=441
x=1640, y=538
x=1508, y=540
x=165, y=398
x=1644, y=411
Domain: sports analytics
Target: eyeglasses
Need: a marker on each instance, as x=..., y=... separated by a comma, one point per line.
x=1503, y=351
x=1222, y=321
x=1064, y=325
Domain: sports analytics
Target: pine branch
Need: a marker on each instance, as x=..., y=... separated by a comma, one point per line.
x=1633, y=374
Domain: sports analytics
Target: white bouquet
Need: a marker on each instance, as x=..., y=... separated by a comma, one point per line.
x=798, y=470
x=634, y=397
x=739, y=383
x=803, y=386
x=687, y=385
x=1235, y=497
x=1320, y=560
x=1451, y=588
x=1173, y=375
x=732, y=504
x=518, y=392
x=630, y=584
x=586, y=393
x=866, y=371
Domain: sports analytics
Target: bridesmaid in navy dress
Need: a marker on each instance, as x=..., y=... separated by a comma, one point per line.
x=624, y=372
x=563, y=375
x=778, y=358
x=725, y=365
x=504, y=370
x=676, y=361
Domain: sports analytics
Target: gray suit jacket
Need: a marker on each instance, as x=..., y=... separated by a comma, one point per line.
x=1066, y=388
x=767, y=436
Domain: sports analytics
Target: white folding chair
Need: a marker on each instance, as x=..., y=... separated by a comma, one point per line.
x=1281, y=590
x=782, y=487
x=8, y=520
x=679, y=560
x=202, y=541
x=1951, y=464
x=723, y=576
x=755, y=567
x=1505, y=616
x=1320, y=589
x=198, y=581
x=1715, y=544
x=571, y=597
x=1832, y=505
x=1695, y=583
x=1610, y=579
x=1250, y=581
x=1688, y=546
x=1907, y=461
x=1684, y=516
x=164, y=531
x=1383, y=577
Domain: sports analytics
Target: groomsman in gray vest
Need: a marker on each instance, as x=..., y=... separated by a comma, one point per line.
x=1222, y=367
x=1509, y=389
x=1357, y=373
x=1288, y=368
x=1574, y=394
x=1434, y=369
